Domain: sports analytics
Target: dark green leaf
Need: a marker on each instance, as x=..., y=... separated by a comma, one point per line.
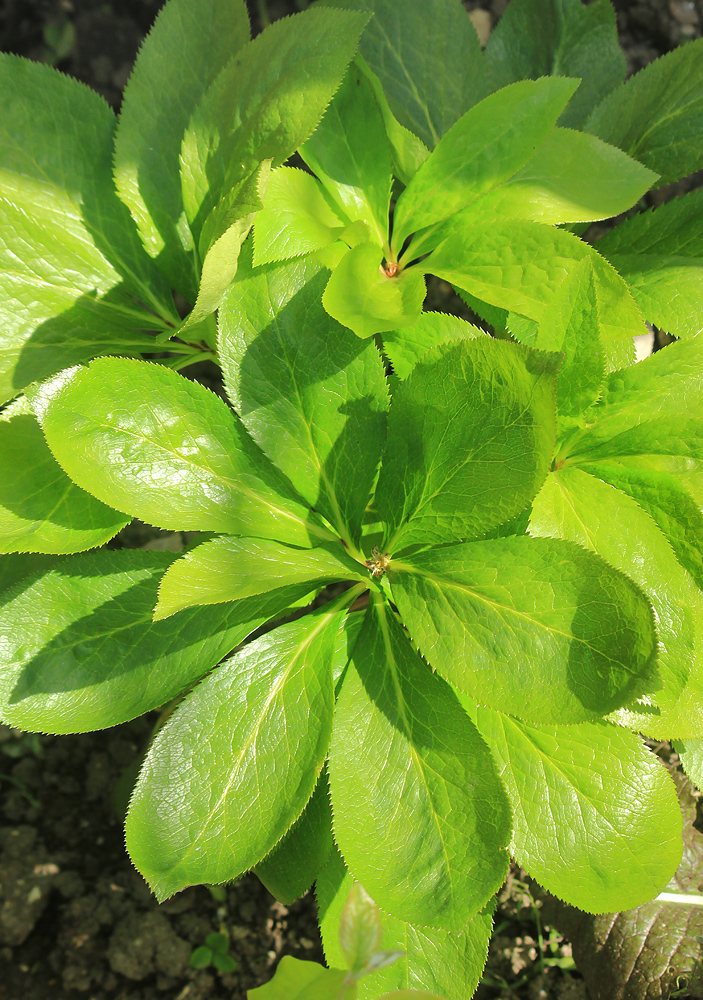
x=79, y=650
x=498, y=399
x=16, y=567
x=419, y=812
x=202, y=35
x=40, y=508
x=484, y=612
x=657, y=115
x=200, y=958
x=317, y=404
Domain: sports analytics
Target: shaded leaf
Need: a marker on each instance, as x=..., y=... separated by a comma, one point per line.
x=407, y=346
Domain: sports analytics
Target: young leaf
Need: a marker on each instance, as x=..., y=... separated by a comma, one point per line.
x=487, y=145
x=448, y=965
x=65, y=230
x=407, y=346
x=40, y=508
x=231, y=568
x=420, y=818
x=660, y=255
x=297, y=218
x=298, y=980
x=79, y=650
x=264, y=104
x=296, y=860
x=360, y=930
x=595, y=815
x=164, y=449
x=483, y=612
x=202, y=35
x=536, y=38
x=657, y=115
x=362, y=296
x=350, y=154
x=498, y=399
x=691, y=756
x=316, y=405
x=581, y=508
x=255, y=734
x=428, y=86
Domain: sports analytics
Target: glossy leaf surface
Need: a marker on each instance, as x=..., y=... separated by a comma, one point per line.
x=316, y=405
x=498, y=399
x=255, y=733
x=40, y=508
x=419, y=813
x=595, y=815
x=484, y=613
x=163, y=449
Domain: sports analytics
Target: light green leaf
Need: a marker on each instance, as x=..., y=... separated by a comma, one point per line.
x=498, y=400
x=362, y=296
x=484, y=613
x=595, y=815
x=297, y=218
x=298, y=980
x=79, y=650
x=264, y=104
x=202, y=35
x=296, y=860
x=230, y=568
x=316, y=405
x=487, y=145
x=350, y=154
x=537, y=38
x=573, y=177
x=660, y=255
x=407, y=346
x=519, y=265
x=691, y=756
x=74, y=278
x=657, y=115
x=419, y=813
x=581, y=508
x=21, y=566
x=40, y=508
x=428, y=59
x=360, y=931
x=254, y=735
x=166, y=450
x=448, y=965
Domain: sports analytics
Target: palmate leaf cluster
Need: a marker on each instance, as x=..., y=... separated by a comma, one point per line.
x=511, y=525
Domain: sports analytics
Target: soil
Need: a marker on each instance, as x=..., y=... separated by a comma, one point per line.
x=77, y=922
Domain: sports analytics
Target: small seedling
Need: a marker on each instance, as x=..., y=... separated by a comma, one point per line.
x=214, y=952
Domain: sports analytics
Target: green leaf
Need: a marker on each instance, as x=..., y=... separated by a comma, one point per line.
x=21, y=566
x=350, y=154
x=65, y=231
x=224, y=963
x=484, y=612
x=79, y=650
x=660, y=255
x=255, y=734
x=536, y=38
x=487, y=145
x=296, y=860
x=200, y=958
x=595, y=815
x=581, y=508
x=316, y=405
x=498, y=399
x=419, y=813
x=166, y=450
x=448, y=965
x=298, y=980
x=407, y=346
x=202, y=35
x=230, y=568
x=264, y=104
x=573, y=177
x=40, y=508
x=297, y=218
x=362, y=296
x=691, y=756
x=519, y=265
x=657, y=115
x=360, y=930
x=571, y=324
x=430, y=85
